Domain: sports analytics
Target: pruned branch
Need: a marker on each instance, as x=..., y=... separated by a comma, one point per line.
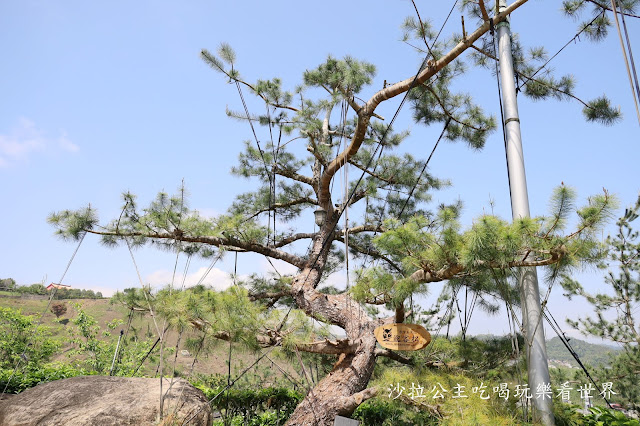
x=229, y=242
x=352, y=402
x=330, y=347
x=354, y=105
x=483, y=11
x=313, y=149
x=376, y=301
x=264, y=341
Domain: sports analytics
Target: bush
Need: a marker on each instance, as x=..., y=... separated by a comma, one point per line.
x=268, y=406
x=603, y=416
x=381, y=413
x=94, y=347
x=32, y=289
x=20, y=339
x=59, y=309
x=33, y=375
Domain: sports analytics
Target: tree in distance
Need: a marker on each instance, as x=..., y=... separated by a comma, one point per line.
x=59, y=309
x=622, y=296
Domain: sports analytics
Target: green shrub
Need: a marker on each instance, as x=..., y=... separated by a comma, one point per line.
x=34, y=375
x=94, y=347
x=604, y=417
x=374, y=412
x=265, y=406
x=21, y=339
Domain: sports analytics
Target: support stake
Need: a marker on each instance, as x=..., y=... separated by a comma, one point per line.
x=538, y=369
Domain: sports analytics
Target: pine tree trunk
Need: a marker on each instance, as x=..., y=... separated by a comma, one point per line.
x=341, y=391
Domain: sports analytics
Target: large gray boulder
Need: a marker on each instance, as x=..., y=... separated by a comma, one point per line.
x=106, y=401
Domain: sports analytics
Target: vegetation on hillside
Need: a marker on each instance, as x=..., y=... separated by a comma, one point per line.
x=9, y=285
x=597, y=355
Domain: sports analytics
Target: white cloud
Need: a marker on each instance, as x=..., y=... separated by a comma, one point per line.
x=216, y=278
x=25, y=139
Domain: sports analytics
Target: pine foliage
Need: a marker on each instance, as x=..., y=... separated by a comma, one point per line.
x=616, y=307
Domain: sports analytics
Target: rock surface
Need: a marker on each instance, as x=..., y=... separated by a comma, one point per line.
x=106, y=401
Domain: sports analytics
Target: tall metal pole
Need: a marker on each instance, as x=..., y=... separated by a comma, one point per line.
x=538, y=369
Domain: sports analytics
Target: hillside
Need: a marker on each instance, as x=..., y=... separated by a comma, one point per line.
x=267, y=371
x=216, y=361
x=589, y=353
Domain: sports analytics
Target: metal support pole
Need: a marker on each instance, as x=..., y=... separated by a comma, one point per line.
x=538, y=368
x=115, y=354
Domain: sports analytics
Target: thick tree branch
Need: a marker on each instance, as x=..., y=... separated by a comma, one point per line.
x=264, y=341
x=456, y=270
x=483, y=10
x=329, y=347
x=269, y=295
x=425, y=74
x=365, y=113
x=295, y=237
x=212, y=241
x=365, y=228
x=394, y=356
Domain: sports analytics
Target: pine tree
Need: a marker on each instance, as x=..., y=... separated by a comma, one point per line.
x=616, y=308
x=316, y=130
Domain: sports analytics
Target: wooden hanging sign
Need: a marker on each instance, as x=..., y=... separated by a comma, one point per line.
x=402, y=337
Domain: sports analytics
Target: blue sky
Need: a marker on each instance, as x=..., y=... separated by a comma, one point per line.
x=103, y=97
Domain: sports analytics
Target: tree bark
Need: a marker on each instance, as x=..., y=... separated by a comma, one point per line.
x=344, y=388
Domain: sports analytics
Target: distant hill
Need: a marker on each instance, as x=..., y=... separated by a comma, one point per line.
x=589, y=353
